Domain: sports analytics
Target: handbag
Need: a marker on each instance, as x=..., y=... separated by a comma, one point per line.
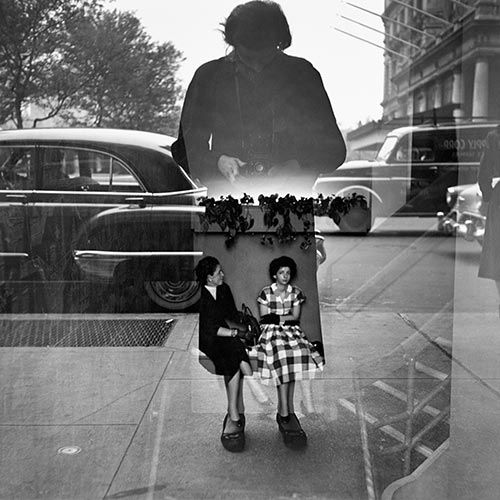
x=251, y=323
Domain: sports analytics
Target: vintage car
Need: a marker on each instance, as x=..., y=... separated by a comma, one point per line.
x=466, y=216
x=94, y=220
x=411, y=172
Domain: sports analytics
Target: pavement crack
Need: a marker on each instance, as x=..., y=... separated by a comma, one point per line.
x=137, y=427
x=453, y=359
x=111, y=402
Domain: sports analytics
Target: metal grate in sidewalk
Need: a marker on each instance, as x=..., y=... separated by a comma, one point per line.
x=72, y=332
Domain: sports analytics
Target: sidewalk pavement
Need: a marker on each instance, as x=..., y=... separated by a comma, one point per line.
x=145, y=422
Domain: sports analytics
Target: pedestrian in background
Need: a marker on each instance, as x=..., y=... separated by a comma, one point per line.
x=224, y=346
x=489, y=168
x=258, y=118
x=284, y=354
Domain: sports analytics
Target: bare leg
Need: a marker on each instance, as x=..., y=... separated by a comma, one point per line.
x=294, y=423
x=283, y=399
x=232, y=391
x=307, y=399
x=246, y=369
x=289, y=397
x=258, y=392
x=241, y=404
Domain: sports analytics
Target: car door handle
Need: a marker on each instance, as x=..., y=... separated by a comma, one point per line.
x=17, y=197
x=137, y=199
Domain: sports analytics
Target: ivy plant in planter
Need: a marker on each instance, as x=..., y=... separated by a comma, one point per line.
x=272, y=206
x=233, y=216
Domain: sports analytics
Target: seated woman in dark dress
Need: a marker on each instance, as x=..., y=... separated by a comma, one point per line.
x=223, y=345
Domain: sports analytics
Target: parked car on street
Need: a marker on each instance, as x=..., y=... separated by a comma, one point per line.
x=412, y=171
x=466, y=217
x=94, y=220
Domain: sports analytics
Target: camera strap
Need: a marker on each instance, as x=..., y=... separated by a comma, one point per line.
x=240, y=115
x=238, y=104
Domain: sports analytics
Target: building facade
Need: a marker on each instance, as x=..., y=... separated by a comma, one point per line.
x=442, y=59
x=441, y=63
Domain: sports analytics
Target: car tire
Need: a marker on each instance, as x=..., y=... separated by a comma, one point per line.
x=173, y=296
x=358, y=221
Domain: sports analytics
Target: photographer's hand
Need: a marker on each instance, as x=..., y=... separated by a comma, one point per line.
x=229, y=167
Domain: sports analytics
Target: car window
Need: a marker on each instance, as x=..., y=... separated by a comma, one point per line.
x=17, y=167
x=386, y=149
x=402, y=153
x=122, y=179
x=415, y=148
x=422, y=147
x=69, y=169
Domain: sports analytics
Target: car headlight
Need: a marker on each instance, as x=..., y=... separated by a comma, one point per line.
x=451, y=197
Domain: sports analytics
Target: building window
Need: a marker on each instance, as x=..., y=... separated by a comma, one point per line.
x=431, y=97
x=448, y=90
x=419, y=102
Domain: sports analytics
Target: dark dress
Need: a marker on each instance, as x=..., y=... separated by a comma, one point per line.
x=226, y=353
x=281, y=113
x=489, y=266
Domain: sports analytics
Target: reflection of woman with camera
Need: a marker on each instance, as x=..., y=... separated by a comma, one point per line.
x=257, y=112
x=224, y=346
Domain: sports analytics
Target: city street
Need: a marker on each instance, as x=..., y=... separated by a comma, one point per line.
x=403, y=265
x=391, y=296
x=144, y=422
x=143, y=163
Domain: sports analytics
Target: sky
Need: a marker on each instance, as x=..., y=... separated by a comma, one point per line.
x=352, y=70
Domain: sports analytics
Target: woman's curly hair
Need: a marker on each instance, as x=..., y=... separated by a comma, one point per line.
x=283, y=261
x=206, y=266
x=257, y=25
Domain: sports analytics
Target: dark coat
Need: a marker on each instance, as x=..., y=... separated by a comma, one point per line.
x=225, y=352
x=490, y=164
x=489, y=266
x=286, y=104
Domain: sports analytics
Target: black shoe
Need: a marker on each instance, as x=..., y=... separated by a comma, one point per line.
x=233, y=441
x=295, y=439
x=299, y=439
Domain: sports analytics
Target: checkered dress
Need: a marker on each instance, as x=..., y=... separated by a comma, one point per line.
x=284, y=354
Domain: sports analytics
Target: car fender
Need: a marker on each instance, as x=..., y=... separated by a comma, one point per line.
x=360, y=189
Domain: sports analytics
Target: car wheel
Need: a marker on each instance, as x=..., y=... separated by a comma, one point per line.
x=358, y=220
x=173, y=295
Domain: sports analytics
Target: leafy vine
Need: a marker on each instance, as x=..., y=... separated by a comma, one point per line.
x=274, y=206
x=228, y=213
x=233, y=216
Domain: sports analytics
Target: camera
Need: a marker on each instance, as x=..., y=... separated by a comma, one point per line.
x=254, y=168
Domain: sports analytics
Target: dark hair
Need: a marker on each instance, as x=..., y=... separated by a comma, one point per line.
x=283, y=261
x=257, y=25
x=206, y=266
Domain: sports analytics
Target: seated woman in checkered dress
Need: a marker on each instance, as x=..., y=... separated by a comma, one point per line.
x=284, y=354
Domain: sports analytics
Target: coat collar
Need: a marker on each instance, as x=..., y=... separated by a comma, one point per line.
x=212, y=290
